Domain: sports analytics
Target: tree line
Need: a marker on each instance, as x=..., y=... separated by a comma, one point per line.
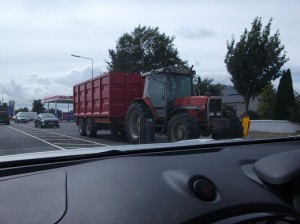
x=283, y=104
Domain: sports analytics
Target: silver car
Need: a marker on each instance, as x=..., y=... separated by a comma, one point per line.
x=21, y=118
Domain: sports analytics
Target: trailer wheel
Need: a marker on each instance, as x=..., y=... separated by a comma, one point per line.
x=182, y=127
x=90, y=128
x=81, y=127
x=135, y=112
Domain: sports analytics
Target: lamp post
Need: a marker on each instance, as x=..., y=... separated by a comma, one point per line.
x=77, y=56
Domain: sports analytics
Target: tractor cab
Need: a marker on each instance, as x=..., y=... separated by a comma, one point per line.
x=163, y=86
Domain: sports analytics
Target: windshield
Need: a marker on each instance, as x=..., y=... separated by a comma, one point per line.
x=118, y=73
x=179, y=86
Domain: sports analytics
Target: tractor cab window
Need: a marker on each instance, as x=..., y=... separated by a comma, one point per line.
x=178, y=86
x=156, y=90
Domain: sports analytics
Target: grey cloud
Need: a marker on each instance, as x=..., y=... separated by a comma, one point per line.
x=40, y=86
x=194, y=33
x=77, y=75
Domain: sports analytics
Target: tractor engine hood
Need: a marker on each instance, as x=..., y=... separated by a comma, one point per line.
x=198, y=102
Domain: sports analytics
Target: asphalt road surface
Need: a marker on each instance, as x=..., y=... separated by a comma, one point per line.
x=25, y=138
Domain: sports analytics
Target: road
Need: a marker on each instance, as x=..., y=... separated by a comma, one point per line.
x=25, y=138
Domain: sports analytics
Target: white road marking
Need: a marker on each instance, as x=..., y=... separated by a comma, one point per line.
x=46, y=147
x=59, y=143
x=59, y=139
x=37, y=138
x=97, y=143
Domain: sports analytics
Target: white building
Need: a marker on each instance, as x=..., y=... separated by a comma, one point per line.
x=231, y=97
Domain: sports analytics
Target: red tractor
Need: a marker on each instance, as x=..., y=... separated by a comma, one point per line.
x=120, y=101
x=170, y=100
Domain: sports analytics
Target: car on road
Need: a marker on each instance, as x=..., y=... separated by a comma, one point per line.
x=46, y=120
x=29, y=115
x=21, y=118
x=4, y=117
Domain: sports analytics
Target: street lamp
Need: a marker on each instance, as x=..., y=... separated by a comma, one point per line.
x=77, y=56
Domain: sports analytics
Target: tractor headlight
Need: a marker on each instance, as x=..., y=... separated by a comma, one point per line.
x=211, y=114
x=218, y=114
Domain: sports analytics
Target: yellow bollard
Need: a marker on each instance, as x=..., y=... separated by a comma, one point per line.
x=246, y=125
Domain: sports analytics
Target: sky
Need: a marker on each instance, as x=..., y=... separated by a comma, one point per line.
x=37, y=38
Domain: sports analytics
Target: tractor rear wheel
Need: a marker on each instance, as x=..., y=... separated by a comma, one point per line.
x=81, y=127
x=182, y=127
x=136, y=111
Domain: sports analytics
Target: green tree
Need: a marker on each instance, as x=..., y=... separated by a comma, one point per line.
x=285, y=98
x=3, y=107
x=38, y=106
x=143, y=50
x=255, y=60
x=295, y=110
x=207, y=85
x=266, y=102
x=58, y=112
x=22, y=109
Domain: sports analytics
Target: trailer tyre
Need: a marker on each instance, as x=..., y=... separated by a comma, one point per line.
x=81, y=127
x=135, y=112
x=182, y=127
x=90, y=128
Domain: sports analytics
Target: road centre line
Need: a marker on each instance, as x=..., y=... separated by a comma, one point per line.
x=37, y=138
x=97, y=143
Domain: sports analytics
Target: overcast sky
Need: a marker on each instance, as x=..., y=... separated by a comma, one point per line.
x=38, y=37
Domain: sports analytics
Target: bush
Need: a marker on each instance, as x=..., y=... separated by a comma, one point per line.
x=253, y=115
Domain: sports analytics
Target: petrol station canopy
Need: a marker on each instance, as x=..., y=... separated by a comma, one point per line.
x=58, y=99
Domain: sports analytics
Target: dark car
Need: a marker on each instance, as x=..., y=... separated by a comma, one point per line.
x=46, y=120
x=21, y=118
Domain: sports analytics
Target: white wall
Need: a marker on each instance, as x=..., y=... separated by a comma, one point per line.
x=274, y=126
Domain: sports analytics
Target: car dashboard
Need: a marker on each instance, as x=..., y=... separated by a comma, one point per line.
x=220, y=182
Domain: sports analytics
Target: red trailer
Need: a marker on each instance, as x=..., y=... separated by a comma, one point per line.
x=121, y=102
x=102, y=102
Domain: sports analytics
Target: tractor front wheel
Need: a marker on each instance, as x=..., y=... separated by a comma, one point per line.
x=182, y=127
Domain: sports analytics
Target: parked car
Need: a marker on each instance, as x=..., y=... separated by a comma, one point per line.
x=46, y=120
x=21, y=118
x=4, y=117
